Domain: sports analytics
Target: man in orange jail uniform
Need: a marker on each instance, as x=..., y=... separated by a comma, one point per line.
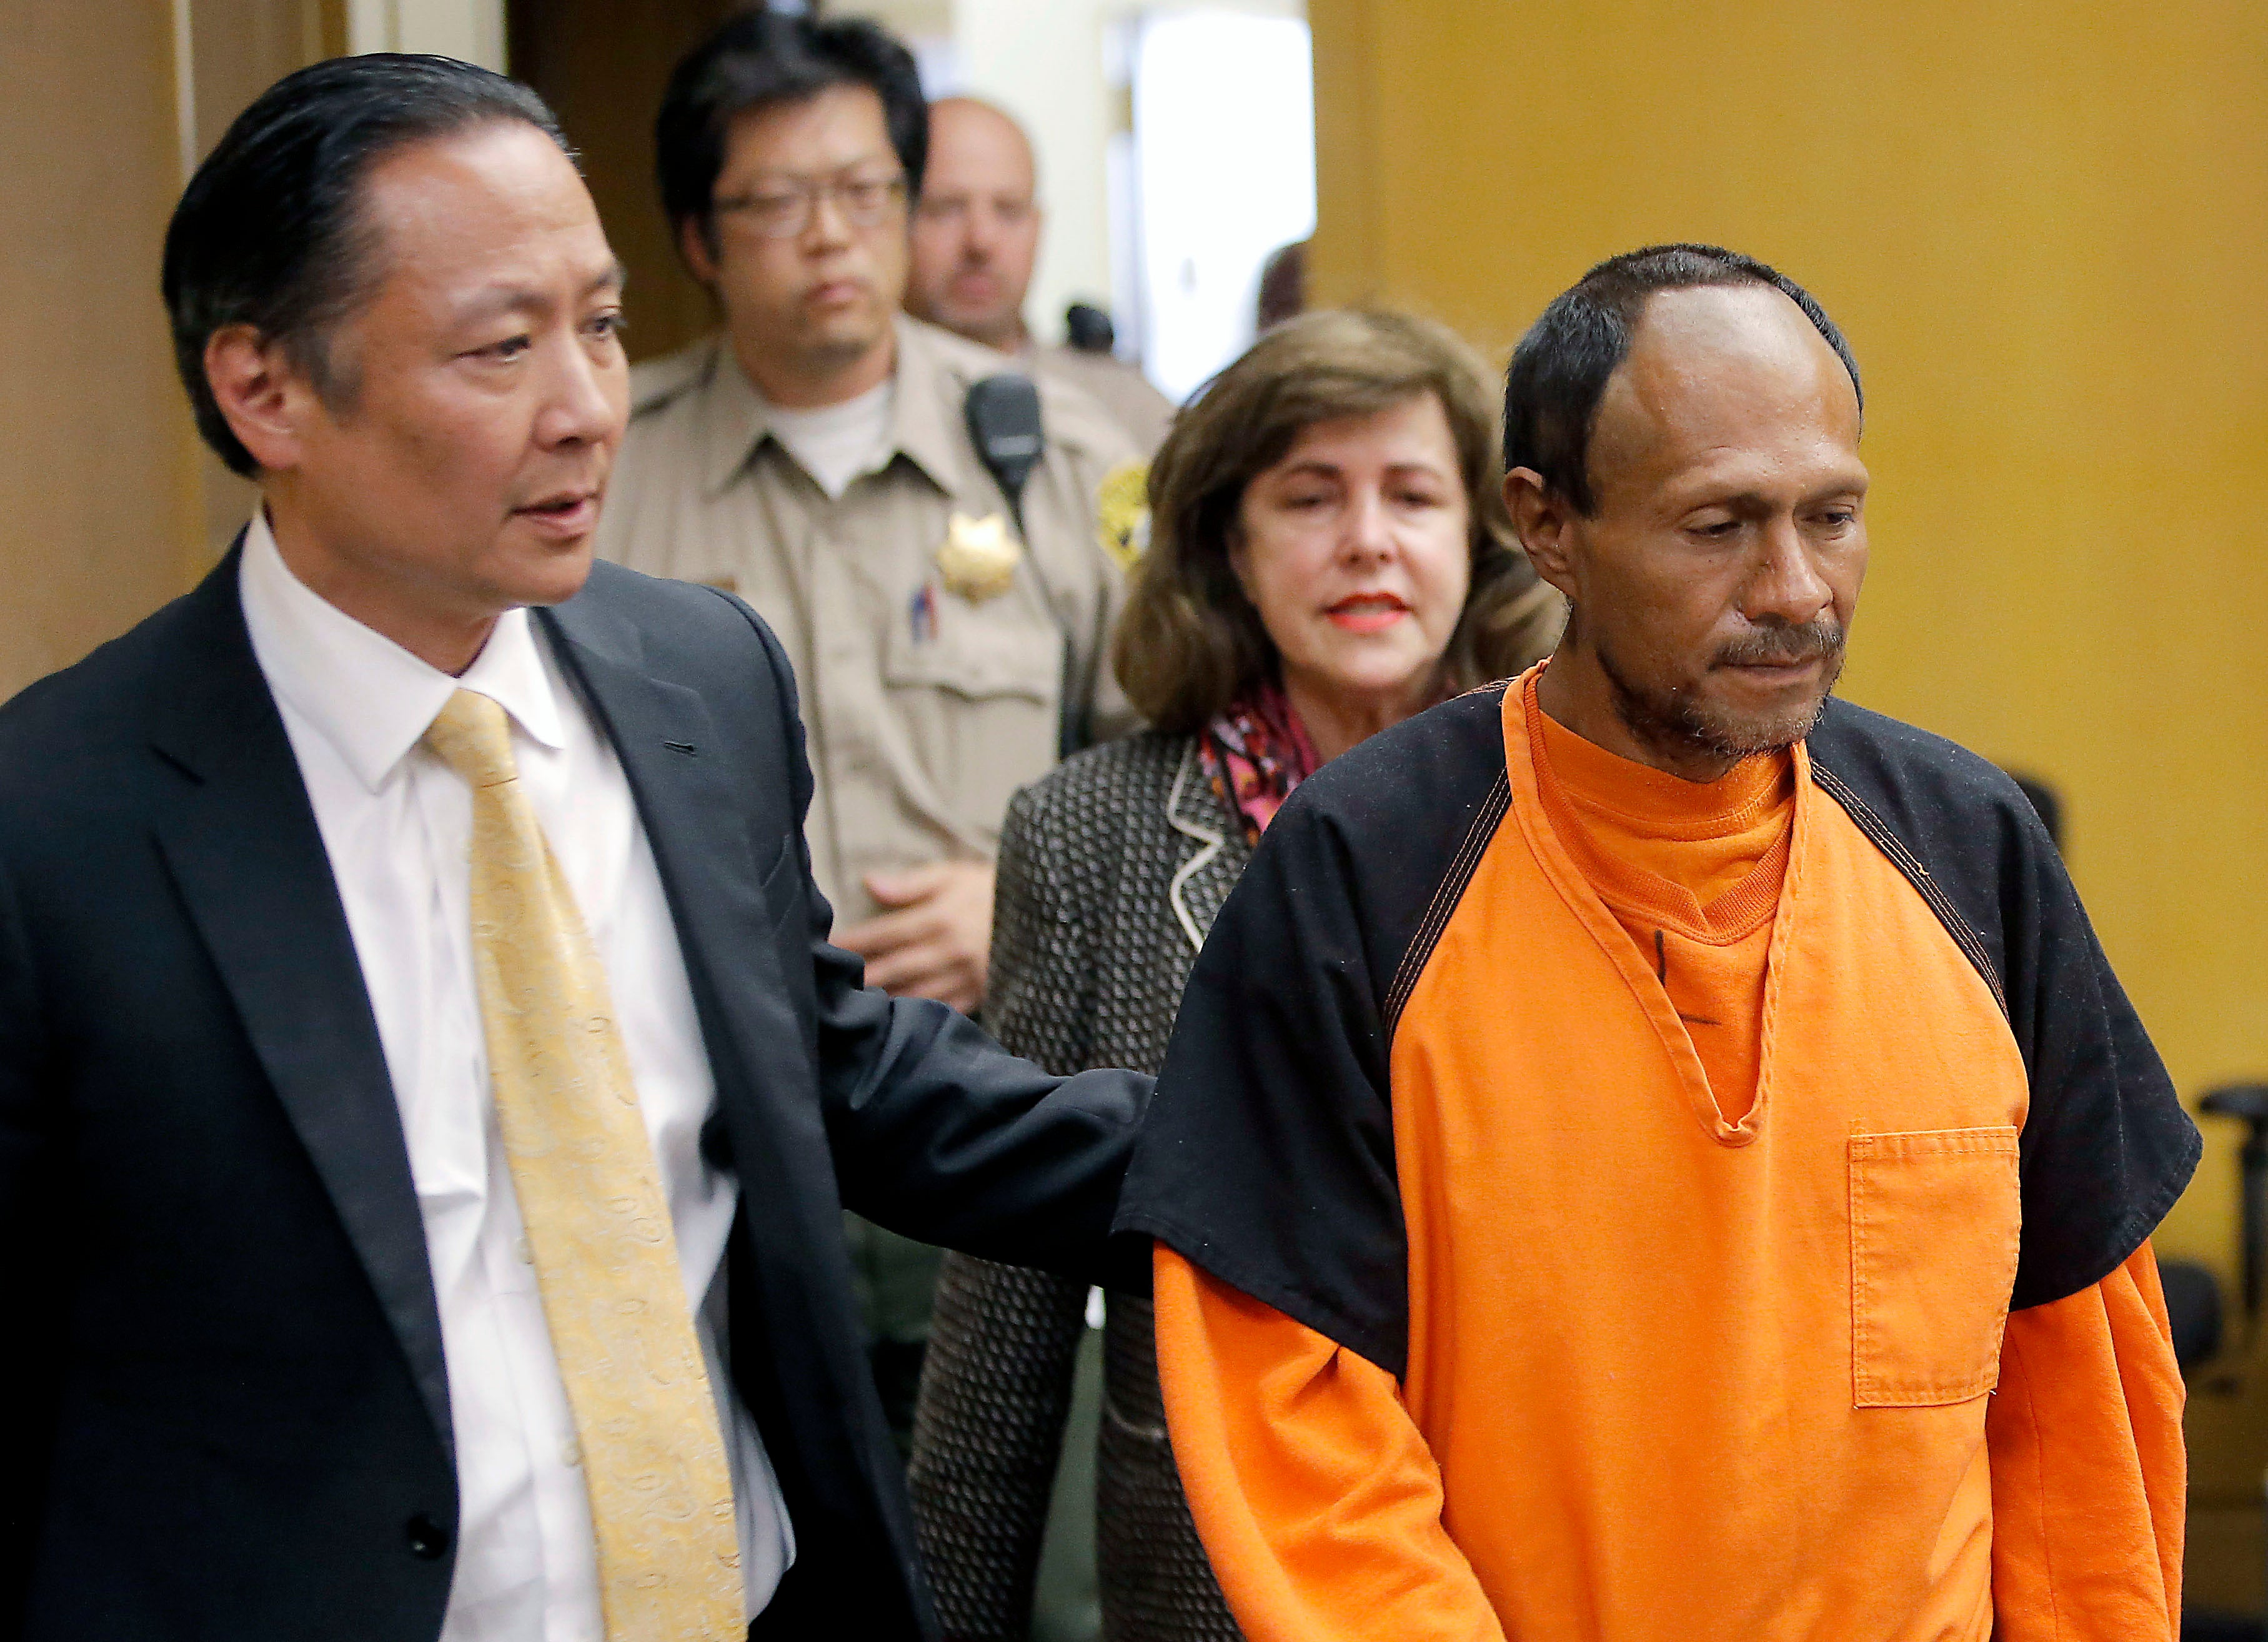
x=1651, y=1153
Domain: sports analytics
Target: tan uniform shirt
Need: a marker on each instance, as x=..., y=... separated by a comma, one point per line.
x=1119, y=387
x=928, y=698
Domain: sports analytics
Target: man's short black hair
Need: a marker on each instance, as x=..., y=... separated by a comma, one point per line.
x=760, y=58
x=1559, y=371
x=269, y=232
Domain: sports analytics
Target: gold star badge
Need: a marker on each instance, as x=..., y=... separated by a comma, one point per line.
x=979, y=558
x=1122, y=513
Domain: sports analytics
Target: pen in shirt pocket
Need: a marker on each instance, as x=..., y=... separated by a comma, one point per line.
x=921, y=612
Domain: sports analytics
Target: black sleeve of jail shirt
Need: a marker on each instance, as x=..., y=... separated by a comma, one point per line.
x=2106, y=1148
x=1267, y=1156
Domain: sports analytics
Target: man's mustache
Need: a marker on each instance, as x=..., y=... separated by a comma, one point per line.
x=1820, y=637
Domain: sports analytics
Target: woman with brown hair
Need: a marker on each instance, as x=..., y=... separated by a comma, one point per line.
x=1329, y=555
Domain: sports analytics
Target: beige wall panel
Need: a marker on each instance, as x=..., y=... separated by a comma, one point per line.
x=238, y=49
x=94, y=452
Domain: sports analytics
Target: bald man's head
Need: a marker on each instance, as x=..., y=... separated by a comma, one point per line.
x=1684, y=444
x=976, y=230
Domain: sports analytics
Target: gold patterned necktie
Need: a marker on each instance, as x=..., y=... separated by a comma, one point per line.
x=598, y=1223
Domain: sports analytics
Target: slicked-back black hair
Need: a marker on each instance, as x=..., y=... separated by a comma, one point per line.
x=763, y=57
x=1559, y=371
x=269, y=232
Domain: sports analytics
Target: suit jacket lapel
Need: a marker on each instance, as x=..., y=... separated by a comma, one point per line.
x=250, y=863
x=663, y=737
x=1215, y=856
x=698, y=827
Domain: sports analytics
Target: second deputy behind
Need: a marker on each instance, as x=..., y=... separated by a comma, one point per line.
x=1329, y=555
x=975, y=242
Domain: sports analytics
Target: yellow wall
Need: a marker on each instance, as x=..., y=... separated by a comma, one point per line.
x=108, y=504
x=2046, y=229
x=94, y=451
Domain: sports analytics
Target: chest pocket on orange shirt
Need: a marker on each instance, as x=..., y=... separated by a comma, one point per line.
x=1934, y=1222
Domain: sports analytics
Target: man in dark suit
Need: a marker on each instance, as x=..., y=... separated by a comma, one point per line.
x=427, y=1095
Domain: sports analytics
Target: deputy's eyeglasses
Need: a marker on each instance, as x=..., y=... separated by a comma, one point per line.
x=782, y=211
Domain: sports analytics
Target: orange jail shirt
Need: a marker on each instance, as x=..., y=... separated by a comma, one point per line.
x=1691, y=870
x=1705, y=1141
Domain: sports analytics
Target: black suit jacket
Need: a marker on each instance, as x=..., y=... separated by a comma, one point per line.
x=228, y=1412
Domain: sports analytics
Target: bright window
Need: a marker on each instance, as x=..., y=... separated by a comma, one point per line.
x=1224, y=153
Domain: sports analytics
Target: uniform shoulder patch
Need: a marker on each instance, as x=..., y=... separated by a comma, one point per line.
x=1122, y=513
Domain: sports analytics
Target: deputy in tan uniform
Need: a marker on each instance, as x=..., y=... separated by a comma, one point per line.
x=815, y=459
x=977, y=239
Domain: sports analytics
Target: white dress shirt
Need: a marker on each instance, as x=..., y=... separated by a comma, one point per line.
x=397, y=824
